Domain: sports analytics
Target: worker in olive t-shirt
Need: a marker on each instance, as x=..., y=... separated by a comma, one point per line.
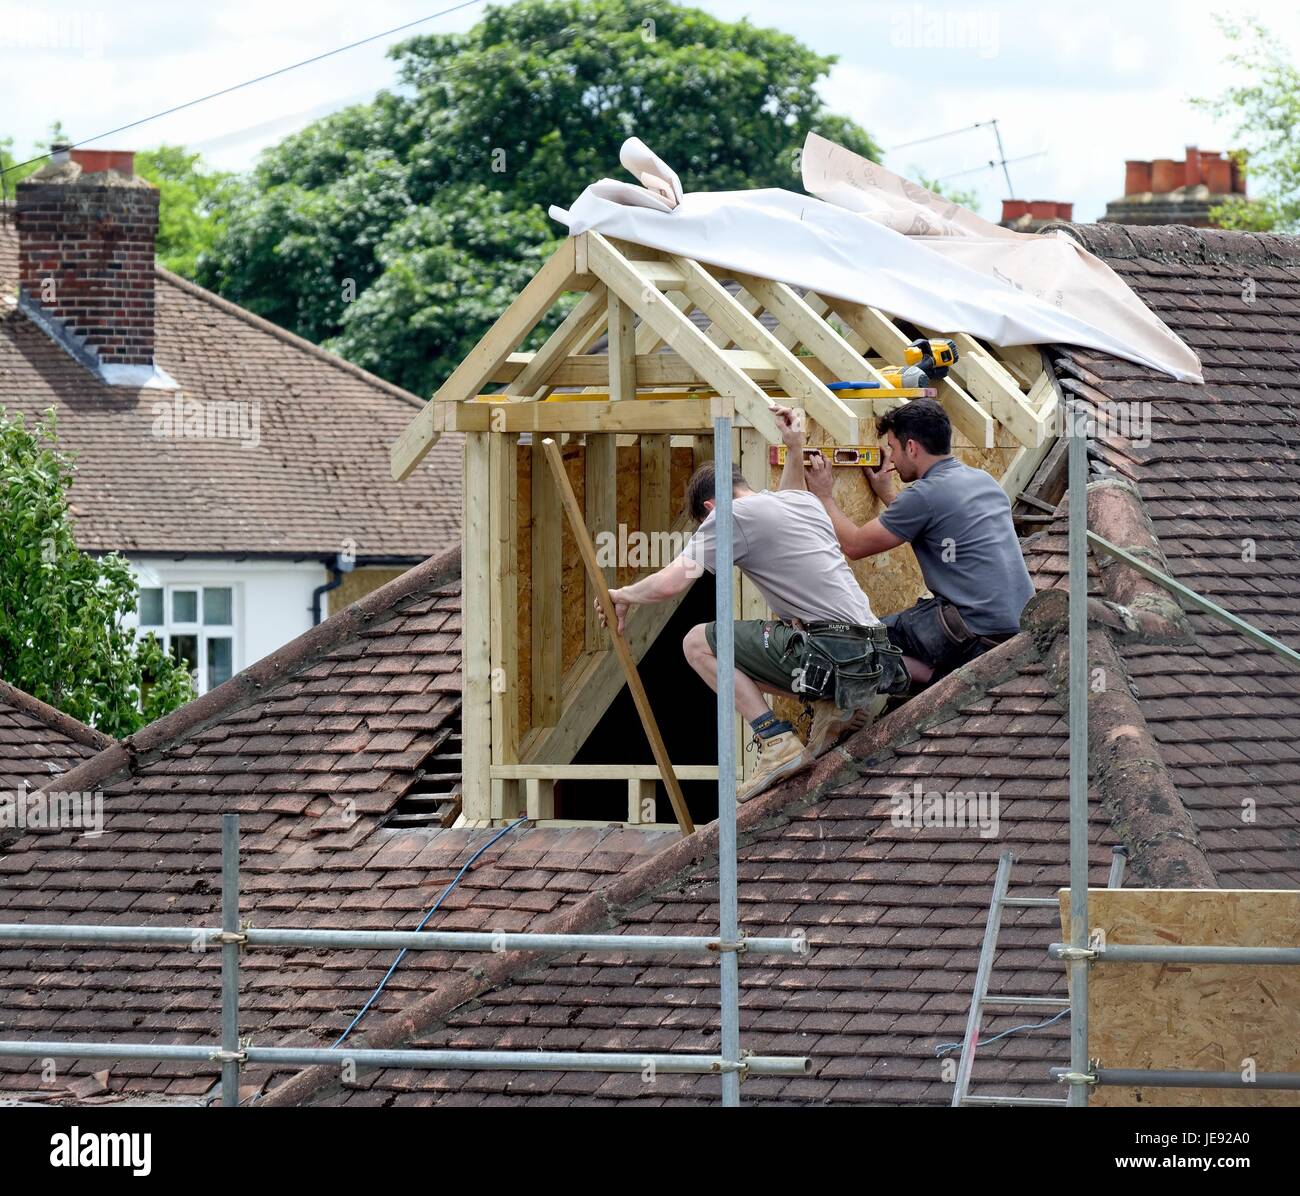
x=958, y=522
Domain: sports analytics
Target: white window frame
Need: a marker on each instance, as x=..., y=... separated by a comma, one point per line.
x=170, y=627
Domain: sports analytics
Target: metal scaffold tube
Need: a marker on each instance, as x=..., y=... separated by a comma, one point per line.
x=404, y=940
x=431, y=1060
x=229, y=960
x=1181, y=953
x=1076, y=431
x=728, y=919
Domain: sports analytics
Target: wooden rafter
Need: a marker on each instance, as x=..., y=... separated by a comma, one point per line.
x=555, y=277
x=748, y=332
x=677, y=336
x=625, y=279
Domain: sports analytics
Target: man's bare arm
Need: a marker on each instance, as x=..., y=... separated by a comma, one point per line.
x=856, y=542
x=667, y=583
x=790, y=421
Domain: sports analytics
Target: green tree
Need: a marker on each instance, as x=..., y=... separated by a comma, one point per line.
x=434, y=297
x=64, y=631
x=191, y=204
x=1265, y=112
x=490, y=127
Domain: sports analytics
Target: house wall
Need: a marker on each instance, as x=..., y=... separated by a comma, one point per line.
x=272, y=599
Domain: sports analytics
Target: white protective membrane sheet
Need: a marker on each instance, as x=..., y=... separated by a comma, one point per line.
x=871, y=237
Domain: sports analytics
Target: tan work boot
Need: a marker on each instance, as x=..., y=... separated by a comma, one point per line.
x=830, y=724
x=778, y=756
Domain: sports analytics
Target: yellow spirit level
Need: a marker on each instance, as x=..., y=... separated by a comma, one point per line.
x=836, y=454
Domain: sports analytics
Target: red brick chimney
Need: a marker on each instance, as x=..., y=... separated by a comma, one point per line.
x=1167, y=192
x=86, y=232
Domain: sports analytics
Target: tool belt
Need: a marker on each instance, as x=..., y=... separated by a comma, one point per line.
x=954, y=627
x=845, y=663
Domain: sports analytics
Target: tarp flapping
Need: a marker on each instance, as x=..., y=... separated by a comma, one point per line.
x=871, y=237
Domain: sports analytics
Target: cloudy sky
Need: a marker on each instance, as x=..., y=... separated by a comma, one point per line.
x=1082, y=86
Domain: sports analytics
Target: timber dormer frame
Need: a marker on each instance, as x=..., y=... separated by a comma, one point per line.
x=633, y=422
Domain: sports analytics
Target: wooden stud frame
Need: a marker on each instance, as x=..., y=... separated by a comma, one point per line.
x=680, y=334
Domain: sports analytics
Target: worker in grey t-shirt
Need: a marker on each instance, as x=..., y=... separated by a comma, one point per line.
x=958, y=521
x=785, y=543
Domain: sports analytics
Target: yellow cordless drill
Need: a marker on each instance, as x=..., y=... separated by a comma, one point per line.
x=927, y=362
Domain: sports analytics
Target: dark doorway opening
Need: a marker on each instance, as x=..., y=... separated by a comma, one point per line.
x=686, y=711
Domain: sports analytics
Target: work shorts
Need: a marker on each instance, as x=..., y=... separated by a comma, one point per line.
x=771, y=652
x=767, y=651
x=933, y=631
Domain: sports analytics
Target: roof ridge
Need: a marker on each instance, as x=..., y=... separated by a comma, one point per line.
x=283, y=334
x=250, y=684
x=1182, y=243
x=606, y=906
x=54, y=718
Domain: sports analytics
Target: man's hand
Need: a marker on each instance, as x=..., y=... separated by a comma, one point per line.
x=790, y=422
x=621, y=607
x=881, y=479
x=820, y=475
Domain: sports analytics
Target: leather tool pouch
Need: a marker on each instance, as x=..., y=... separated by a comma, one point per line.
x=839, y=662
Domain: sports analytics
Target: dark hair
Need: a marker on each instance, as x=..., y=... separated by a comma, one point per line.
x=922, y=420
x=699, y=489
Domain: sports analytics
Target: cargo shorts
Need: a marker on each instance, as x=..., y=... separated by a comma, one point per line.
x=767, y=651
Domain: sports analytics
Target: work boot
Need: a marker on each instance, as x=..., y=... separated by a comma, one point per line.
x=830, y=724
x=778, y=756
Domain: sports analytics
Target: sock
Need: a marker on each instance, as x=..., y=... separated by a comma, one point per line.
x=767, y=725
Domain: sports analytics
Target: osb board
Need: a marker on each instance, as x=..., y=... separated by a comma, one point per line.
x=892, y=580
x=574, y=600
x=358, y=584
x=1205, y=1018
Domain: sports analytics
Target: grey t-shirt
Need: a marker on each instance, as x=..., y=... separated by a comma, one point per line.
x=785, y=543
x=958, y=521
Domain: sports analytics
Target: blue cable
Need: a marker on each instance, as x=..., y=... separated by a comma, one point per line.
x=433, y=909
x=944, y=1047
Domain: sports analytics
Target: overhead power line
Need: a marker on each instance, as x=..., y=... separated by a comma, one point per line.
x=225, y=91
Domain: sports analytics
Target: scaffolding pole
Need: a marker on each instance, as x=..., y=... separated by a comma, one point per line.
x=431, y=1060
x=728, y=919
x=397, y=940
x=230, y=943
x=231, y=1057
x=1077, y=431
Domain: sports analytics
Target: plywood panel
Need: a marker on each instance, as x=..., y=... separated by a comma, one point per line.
x=1207, y=1018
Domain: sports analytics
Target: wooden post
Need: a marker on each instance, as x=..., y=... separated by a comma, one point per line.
x=640, y=801
x=622, y=350
x=503, y=487
x=639, y=699
x=476, y=617
x=601, y=465
x=547, y=597
x=656, y=475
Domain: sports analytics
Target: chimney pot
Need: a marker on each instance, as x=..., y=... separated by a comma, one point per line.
x=1166, y=175
x=1013, y=209
x=1137, y=177
x=97, y=161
